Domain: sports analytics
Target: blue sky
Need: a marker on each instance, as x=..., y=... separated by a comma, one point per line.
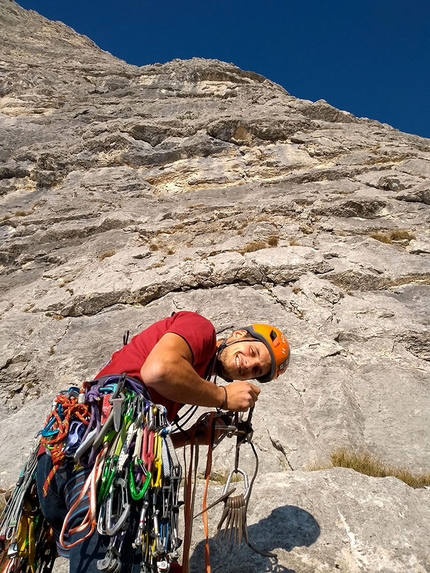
x=368, y=57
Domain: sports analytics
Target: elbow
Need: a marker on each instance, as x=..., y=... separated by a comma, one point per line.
x=153, y=374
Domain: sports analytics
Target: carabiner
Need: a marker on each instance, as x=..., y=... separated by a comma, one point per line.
x=112, y=525
x=136, y=493
x=245, y=481
x=147, y=452
x=47, y=432
x=138, y=542
x=107, y=477
x=157, y=463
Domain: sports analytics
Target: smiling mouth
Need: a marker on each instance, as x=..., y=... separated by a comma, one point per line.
x=238, y=363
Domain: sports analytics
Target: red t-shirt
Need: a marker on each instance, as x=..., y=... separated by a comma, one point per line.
x=196, y=330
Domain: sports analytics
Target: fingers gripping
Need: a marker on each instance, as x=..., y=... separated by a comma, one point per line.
x=241, y=396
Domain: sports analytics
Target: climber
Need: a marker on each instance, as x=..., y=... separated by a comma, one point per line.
x=174, y=360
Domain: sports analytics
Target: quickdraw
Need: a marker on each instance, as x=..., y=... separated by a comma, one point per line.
x=135, y=467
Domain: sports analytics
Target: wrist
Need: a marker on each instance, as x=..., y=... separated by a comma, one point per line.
x=224, y=399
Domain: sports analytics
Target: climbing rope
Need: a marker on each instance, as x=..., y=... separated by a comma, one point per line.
x=54, y=436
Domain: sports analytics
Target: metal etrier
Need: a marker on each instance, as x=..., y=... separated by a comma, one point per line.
x=234, y=515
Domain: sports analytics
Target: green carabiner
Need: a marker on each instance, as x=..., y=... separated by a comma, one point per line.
x=135, y=493
x=107, y=477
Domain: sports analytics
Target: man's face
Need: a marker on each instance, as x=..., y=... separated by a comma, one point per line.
x=245, y=359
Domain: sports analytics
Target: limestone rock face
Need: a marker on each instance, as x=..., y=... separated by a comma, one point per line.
x=130, y=192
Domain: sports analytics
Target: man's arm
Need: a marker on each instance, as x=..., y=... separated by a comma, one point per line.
x=168, y=370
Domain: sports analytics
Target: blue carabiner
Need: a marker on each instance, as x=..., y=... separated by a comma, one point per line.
x=46, y=432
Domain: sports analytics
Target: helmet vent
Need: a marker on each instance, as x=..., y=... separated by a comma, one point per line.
x=274, y=338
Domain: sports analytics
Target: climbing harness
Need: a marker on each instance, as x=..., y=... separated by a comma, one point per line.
x=127, y=481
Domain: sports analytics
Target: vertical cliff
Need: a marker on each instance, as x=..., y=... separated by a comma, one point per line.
x=130, y=192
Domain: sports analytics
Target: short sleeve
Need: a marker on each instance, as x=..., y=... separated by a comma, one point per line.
x=200, y=335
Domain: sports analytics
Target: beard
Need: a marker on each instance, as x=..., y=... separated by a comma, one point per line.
x=221, y=370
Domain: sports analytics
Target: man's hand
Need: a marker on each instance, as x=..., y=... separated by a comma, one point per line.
x=241, y=396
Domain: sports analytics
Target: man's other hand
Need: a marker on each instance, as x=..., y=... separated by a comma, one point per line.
x=241, y=396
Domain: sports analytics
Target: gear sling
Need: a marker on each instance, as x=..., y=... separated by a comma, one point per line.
x=127, y=485
x=120, y=442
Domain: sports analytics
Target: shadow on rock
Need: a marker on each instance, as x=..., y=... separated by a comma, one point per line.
x=284, y=529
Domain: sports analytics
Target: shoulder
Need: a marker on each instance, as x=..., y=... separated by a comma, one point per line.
x=197, y=330
x=189, y=317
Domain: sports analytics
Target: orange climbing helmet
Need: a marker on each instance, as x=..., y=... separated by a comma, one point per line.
x=276, y=344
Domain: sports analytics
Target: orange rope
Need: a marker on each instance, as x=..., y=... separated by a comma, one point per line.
x=189, y=494
x=55, y=443
x=190, y=491
x=205, y=519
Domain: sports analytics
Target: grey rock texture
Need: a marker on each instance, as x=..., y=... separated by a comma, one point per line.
x=130, y=192
x=326, y=521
